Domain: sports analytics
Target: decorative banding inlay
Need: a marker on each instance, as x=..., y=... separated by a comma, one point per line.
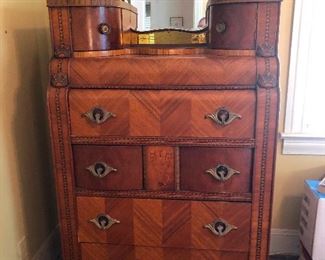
x=63, y=171
x=181, y=195
x=261, y=197
x=165, y=87
x=221, y=142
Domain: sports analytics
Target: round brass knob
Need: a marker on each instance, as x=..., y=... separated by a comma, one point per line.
x=221, y=27
x=104, y=28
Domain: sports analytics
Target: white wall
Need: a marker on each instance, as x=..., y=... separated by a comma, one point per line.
x=162, y=10
x=28, y=211
x=141, y=7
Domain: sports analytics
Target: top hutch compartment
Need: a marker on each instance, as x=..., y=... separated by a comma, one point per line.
x=103, y=25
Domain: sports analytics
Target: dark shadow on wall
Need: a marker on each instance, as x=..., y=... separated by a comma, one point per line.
x=32, y=137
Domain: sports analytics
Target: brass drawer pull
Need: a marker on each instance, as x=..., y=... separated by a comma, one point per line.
x=221, y=27
x=222, y=172
x=220, y=227
x=223, y=116
x=104, y=28
x=104, y=221
x=98, y=115
x=100, y=169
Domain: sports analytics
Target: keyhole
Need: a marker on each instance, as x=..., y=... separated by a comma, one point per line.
x=220, y=227
x=222, y=171
x=223, y=115
x=103, y=221
x=98, y=114
x=99, y=169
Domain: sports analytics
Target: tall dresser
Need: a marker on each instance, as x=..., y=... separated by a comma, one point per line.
x=163, y=150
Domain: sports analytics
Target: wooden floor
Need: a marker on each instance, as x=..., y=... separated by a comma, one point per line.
x=283, y=257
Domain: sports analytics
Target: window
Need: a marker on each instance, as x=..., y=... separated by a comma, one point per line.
x=305, y=112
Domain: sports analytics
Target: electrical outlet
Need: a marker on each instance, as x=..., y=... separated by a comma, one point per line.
x=23, y=249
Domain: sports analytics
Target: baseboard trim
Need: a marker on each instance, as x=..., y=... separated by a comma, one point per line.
x=50, y=249
x=284, y=242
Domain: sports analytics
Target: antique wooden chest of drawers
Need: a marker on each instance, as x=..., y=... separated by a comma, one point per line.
x=163, y=151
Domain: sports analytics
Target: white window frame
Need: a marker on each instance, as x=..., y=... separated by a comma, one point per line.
x=294, y=140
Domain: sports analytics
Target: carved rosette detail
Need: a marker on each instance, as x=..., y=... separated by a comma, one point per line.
x=59, y=79
x=62, y=52
x=265, y=50
x=267, y=80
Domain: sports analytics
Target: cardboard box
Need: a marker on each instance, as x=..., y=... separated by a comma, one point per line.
x=312, y=221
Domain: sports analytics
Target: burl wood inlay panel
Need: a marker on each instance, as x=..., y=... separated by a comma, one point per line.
x=162, y=113
x=159, y=171
x=194, y=162
x=112, y=252
x=126, y=160
x=165, y=223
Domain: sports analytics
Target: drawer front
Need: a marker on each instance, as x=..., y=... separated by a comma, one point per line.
x=233, y=26
x=164, y=223
x=108, y=167
x=100, y=28
x=163, y=113
x=215, y=169
x=112, y=252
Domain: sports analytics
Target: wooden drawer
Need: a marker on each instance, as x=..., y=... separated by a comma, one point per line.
x=108, y=167
x=215, y=169
x=164, y=223
x=233, y=26
x=163, y=113
x=112, y=252
x=101, y=28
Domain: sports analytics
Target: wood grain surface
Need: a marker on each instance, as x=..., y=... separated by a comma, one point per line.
x=165, y=223
x=160, y=140
x=240, y=26
x=195, y=161
x=127, y=160
x=179, y=70
x=162, y=113
x=92, y=251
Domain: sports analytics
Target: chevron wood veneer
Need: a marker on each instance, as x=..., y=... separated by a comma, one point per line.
x=163, y=152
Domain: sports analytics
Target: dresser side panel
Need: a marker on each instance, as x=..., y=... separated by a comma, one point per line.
x=266, y=129
x=62, y=156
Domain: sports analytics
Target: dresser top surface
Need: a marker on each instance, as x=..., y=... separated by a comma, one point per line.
x=123, y=4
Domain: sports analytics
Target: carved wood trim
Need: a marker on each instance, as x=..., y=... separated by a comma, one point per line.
x=165, y=87
x=177, y=169
x=63, y=171
x=181, y=195
x=267, y=31
x=263, y=172
x=212, y=142
x=59, y=73
x=61, y=38
x=267, y=72
x=262, y=175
